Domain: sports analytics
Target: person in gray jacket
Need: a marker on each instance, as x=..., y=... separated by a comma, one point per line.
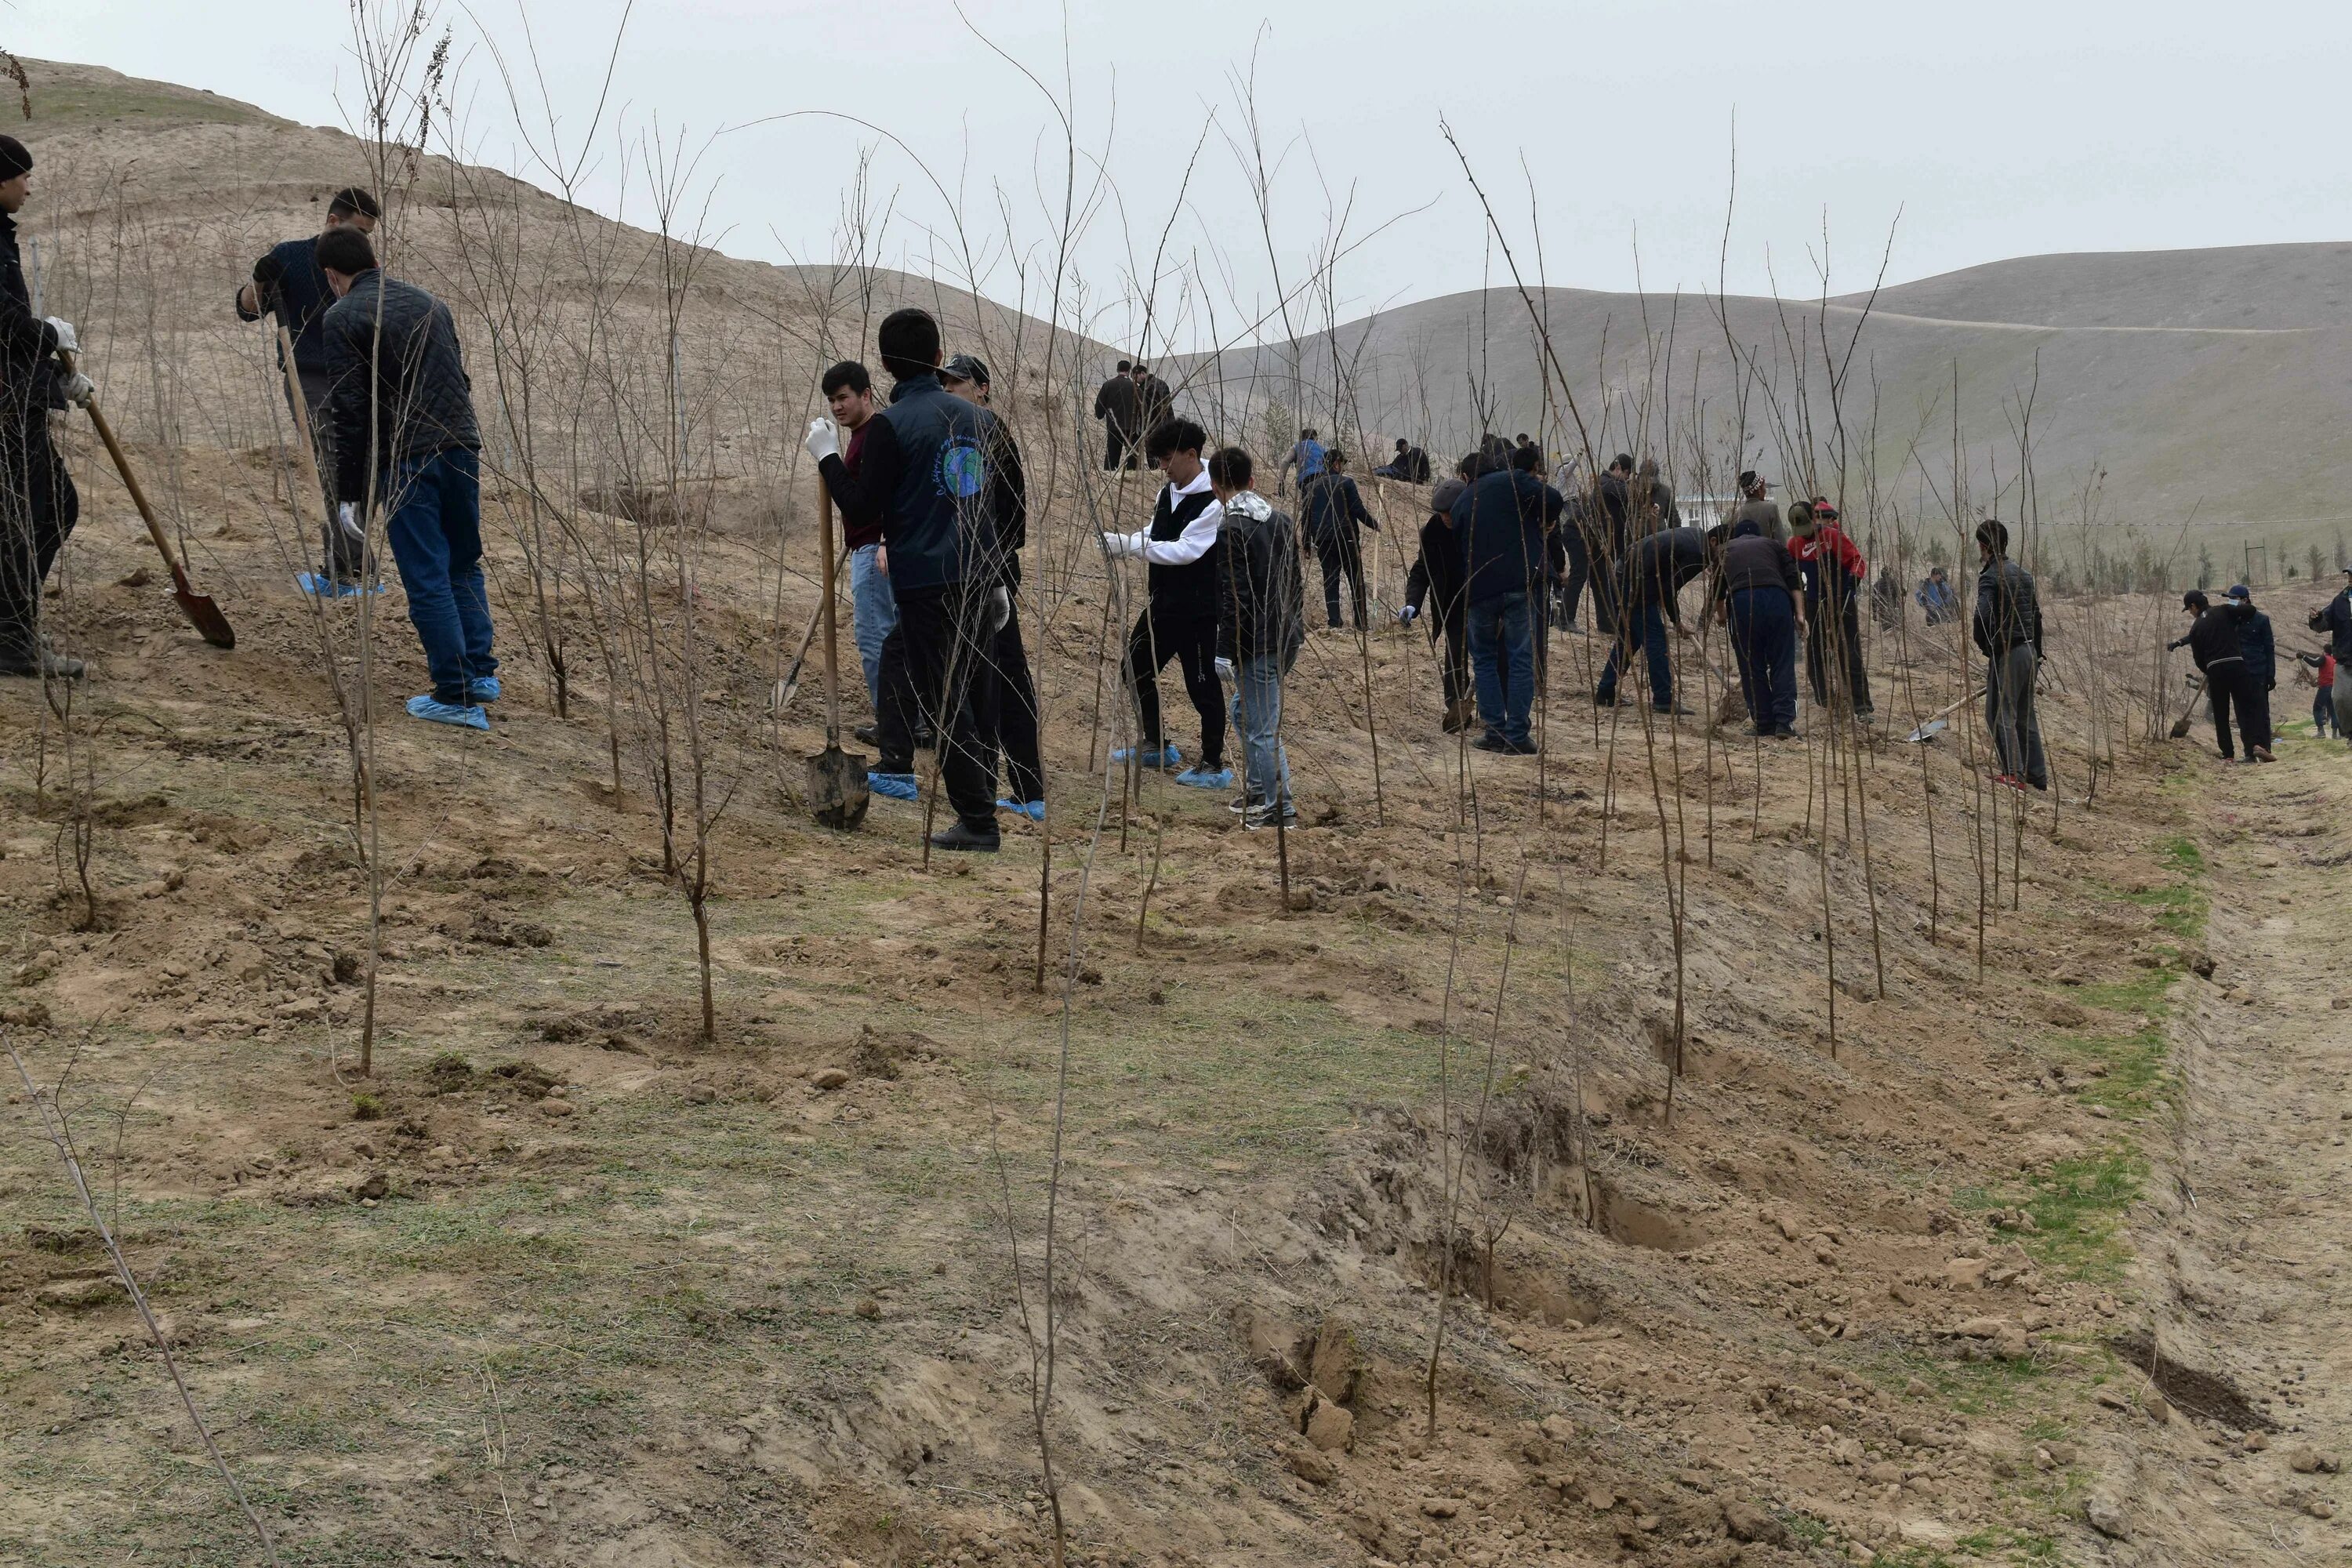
x=401, y=408
x=2008, y=632
x=1261, y=626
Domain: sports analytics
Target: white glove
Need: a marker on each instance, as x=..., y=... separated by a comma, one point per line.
x=1225, y=668
x=64, y=328
x=76, y=389
x=1409, y=613
x=1000, y=608
x=824, y=441
x=347, y=520
x=1119, y=544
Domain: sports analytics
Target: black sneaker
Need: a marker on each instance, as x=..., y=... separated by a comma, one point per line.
x=961, y=834
x=865, y=735
x=32, y=666
x=1265, y=814
x=1490, y=741
x=1786, y=733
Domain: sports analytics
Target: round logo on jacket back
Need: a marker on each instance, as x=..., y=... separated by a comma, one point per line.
x=962, y=469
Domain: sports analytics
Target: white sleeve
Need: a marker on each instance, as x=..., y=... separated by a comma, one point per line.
x=1122, y=545
x=1189, y=545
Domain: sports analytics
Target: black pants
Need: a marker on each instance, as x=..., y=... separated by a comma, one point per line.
x=38, y=508
x=1016, y=709
x=1161, y=634
x=1118, y=448
x=1341, y=551
x=1579, y=573
x=1834, y=616
x=2230, y=685
x=1449, y=635
x=945, y=648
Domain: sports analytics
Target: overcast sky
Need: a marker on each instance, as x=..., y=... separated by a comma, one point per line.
x=2004, y=128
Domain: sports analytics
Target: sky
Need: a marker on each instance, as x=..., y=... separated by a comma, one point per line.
x=1605, y=131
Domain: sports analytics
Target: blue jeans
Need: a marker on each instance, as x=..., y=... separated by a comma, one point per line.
x=873, y=612
x=1258, y=716
x=1764, y=641
x=435, y=529
x=1648, y=631
x=1503, y=664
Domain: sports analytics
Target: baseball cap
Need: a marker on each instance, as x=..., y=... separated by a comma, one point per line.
x=964, y=367
x=2239, y=591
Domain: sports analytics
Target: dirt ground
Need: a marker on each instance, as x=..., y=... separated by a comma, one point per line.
x=2022, y=1254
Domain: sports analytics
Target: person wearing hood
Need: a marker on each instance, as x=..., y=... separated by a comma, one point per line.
x=2008, y=632
x=1936, y=598
x=1755, y=593
x=2260, y=650
x=1432, y=592
x=2335, y=619
x=1261, y=625
x=2214, y=642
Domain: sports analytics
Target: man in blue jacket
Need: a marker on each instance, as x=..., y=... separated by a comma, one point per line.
x=1501, y=520
x=288, y=283
x=929, y=474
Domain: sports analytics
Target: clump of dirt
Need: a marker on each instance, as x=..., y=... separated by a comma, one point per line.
x=2192, y=1389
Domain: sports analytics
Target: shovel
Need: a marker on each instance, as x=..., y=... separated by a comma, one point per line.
x=202, y=613
x=836, y=779
x=2196, y=690
x=1934, y=725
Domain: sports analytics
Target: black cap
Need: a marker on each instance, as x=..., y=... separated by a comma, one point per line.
x=13, y=159
x=964, y=367
x=2195, y=599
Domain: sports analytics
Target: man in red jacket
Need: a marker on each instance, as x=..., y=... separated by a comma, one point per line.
x=1834, y=572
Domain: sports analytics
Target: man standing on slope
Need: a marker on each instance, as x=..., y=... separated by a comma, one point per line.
x=1261, y=625
x=1008, y=658
x=401, y=409
x=2260, y=650
x=1433, y=592
x=289, y=284
x=1335, y=511
x=1500, y=521
x=1835, y=574
x=2008, y=632
x=1756, y=506
x=1306, y=455
x=849, y=393
x=927, y=474
x=2335, y=619
x=1180, y=615
x=39, y=504
x=1115, y=405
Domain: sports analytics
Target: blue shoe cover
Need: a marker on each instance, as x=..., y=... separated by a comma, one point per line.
x=894, y=787
x=470, y=717
x=486, y=689
x=1035, y=810
x=1164, y=755
x=1201, y=778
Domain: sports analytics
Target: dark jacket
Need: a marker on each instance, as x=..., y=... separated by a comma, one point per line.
x=1500, y=525
x=1433, y=586
x=289, y=283
x=2213, y=639
x=1154, y=402
x=2008, y=610
x=1752, y=561
x=1411, y=465
x=1333, y=506
x=29, y=345
x=1262, y=604
x=1664, y=563
x=1118, y=403
x=399, y=388
x=1612, y=540
x=935, y=472
x=2257, y=644
x=2335, y=620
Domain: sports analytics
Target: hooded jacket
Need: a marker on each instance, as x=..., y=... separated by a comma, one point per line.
x=2255, y=644
x=1500, y=525
x=399, y=389
x=1262, y=609
x=936, y=474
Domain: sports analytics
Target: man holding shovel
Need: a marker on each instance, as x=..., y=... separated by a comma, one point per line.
x=287, y=283
x=39, y=504
x=401, y=396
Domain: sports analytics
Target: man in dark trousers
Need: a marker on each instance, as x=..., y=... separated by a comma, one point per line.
x=1155, y=401
x=1017, y=690
x=2214, y=643
x=1663, y=565
x=289, y=284
x=1335, y=511
x=2007, y=631
x=2335, y=620
x=401, y=409
x=39, y=504
x=1500, y=522
x=1755, y=593
x=2260, y=649
x=927, y=470
x=1180, y=614
x=1433, y=592
x=1261, y=626
x=1836, y=578
x=1115, y=405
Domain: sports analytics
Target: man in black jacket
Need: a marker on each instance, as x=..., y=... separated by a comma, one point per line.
x=1261, y=625
x=1180, y=616
x=1663, y=565
x=1008, y=658
x=2007, y=631
x=1115, y=405
x=2260, y=650
x=2335, y=620
x=1500, y=523
x=1433, y=592
x=930, y=471
x=289, y=284
x=1335, y=509
x=39, y=504
x=401, y=410
x=2214, y=643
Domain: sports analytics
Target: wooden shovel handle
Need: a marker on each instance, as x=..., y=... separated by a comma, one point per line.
x=130, y=482
x=832, y=648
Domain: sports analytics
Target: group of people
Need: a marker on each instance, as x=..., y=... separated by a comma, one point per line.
x=1131, y=403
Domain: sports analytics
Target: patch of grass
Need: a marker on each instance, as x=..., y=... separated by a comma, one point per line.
x=2180, y=854
x=2148, y=991
x=366, y=1108
x=2139, y=1078
x=1804, y=1530
x=2079, y=1205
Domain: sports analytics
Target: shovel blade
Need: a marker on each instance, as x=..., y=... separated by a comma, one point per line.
x=838, y=795
x=207, y=618
x=1928, y=731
